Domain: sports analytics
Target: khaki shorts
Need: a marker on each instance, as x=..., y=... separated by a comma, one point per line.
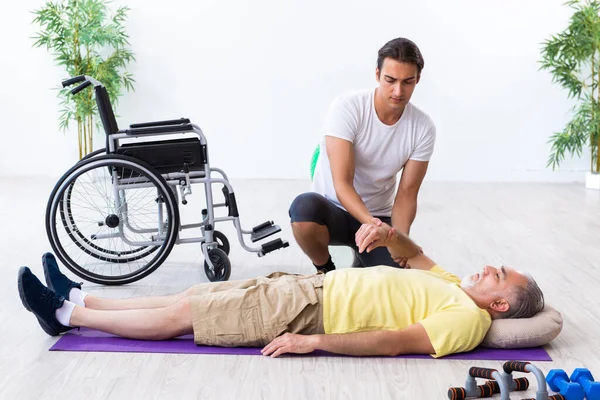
x=254, y=312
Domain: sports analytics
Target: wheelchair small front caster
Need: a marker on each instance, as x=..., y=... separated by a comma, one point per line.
x=222, y=241
x=221, y=263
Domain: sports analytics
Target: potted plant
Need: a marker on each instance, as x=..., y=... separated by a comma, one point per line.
x=573, y=58
x=86, y=41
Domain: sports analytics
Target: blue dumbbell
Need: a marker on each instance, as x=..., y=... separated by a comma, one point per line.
x=558, y=380
x=584, y=377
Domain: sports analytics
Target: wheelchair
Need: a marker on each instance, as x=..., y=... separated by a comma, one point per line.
x=113, y=218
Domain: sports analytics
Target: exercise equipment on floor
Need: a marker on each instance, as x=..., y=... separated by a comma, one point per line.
x=558, y=380
x=584, y=377
x=502, y=382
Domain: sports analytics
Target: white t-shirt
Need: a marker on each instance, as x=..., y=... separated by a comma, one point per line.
x=380, y=150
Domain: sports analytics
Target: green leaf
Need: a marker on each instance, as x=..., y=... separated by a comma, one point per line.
x=86, y=38
x=572, y=58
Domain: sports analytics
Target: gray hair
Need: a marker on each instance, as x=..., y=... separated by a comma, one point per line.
x=528, y=300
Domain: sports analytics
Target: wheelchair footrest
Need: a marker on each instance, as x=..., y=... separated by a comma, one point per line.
x=272, y=246
x=264, y=230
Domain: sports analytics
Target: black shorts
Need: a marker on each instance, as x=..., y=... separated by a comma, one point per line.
x=342, y=227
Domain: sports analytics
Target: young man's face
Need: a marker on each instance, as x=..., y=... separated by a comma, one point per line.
x=397, y=81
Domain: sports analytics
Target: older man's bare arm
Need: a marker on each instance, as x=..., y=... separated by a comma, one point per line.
x=410, y=340
x=371, y=236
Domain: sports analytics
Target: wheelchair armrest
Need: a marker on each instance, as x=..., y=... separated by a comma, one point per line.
x=159, y=129
x=161, y=123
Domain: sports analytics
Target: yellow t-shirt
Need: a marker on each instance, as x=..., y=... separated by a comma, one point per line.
x=386, y=298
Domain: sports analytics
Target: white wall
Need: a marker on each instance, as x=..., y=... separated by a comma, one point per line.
x=258, y=78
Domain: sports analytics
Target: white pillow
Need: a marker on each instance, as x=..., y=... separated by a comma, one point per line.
x=538, y=330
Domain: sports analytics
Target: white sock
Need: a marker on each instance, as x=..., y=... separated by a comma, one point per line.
x=77, y=296
x=63, y=314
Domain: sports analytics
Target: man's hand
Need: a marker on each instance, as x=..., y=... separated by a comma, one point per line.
x=403, y=261
x=376, y=221
x=290, y=343
x=372, y=235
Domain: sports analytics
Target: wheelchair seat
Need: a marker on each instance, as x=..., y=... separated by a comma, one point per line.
x=168, y=156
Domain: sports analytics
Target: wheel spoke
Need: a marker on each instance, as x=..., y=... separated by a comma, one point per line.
x=108, y=239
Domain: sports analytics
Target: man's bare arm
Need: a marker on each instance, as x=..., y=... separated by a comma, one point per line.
x=341, y=161
x=370, y=236
x=404, y=210
x=411, y=340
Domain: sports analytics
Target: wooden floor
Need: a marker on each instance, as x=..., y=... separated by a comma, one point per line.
x=551, y=230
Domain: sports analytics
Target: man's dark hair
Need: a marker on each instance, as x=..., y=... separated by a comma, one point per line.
x=402, y=50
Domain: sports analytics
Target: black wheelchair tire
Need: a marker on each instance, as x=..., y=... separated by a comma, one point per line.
x=222, y=240
x=222, y=266
x=105, y=161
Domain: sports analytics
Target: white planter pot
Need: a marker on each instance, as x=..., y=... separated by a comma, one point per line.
x=592, y=181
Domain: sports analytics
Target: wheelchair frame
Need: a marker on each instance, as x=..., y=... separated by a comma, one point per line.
x=176, y=163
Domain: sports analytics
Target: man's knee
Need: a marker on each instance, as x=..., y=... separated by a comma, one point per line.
x=307, y=230
x=308, y=207
x=191, y=291
x=181, y=312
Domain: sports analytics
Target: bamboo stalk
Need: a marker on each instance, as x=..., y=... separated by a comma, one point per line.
x=79, y=137
x=76, y=58
x=90, y=100
x=597, y=127
x=90, y=134
x=594, y=106
x=85, y=138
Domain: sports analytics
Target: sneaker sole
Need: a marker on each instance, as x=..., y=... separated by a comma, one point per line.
x=42, y=323
x=22, y=293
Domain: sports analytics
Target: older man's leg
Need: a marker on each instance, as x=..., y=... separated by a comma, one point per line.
x=56, y=315
x=149, y=324
x=136, y=303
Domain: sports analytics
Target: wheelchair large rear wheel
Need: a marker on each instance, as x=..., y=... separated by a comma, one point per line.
x=88, y=245
x=112, y=219
x=94, y=154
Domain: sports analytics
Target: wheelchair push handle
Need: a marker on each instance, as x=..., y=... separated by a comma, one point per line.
x=87, y=81
x=81, y=87
x=73, y=80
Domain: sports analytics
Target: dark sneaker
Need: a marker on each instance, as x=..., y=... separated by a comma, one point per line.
x=56, y=280
x=356, y=262
x=324, y=270
x=41, y=301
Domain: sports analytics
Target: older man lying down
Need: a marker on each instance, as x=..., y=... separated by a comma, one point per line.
x=355, y=311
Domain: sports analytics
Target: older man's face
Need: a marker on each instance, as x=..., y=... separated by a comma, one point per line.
x=492, y=280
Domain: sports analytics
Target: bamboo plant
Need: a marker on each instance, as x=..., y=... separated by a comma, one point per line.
x=573, y=58
x=85, y=40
